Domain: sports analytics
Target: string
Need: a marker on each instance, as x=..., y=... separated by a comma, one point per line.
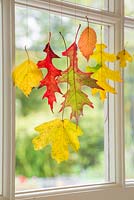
x=75, y=14
x=101, y=44
x=61, y=15
x=49, y=19
x=27, y=30
x=27, y=33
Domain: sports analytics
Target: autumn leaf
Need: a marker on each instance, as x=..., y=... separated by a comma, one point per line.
x=124, y=56
x=102, y=76
x=26, y=76
x=103, y=73
x=87, y=42
x=75, y=97
x=50, y=80
x=60, y=134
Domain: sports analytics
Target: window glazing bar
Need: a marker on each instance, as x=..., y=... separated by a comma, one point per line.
x=69, y=9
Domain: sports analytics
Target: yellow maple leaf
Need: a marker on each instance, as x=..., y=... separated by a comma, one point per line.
x=124, y=56
x=27, y=76
x=59, y=134
x=101, y=56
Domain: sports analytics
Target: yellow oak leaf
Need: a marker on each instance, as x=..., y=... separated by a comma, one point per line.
x=27, y=76
x=102, y=75
x=87, y=42
x=102, y=93
x=101, y=56
x=124, y=56
x=60, y=134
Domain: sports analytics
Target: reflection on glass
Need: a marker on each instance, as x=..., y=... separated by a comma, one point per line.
x=129, y=9
x=101, y=4
x=129, y=106
x=36, y=169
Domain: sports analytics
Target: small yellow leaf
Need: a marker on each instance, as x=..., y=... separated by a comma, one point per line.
x=87, y=42
x=123, y=56
x=27, y=76
x=59, y=134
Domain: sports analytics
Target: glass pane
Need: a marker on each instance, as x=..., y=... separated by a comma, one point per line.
x=101, y=4
x=36, y=169
x=129, y=9
x=129, y=106
x=1, y=92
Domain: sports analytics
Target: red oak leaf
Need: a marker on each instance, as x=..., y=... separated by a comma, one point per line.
x=50, y=80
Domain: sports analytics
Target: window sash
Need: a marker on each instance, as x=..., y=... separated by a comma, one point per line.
x=107, y=191
x=110, y=20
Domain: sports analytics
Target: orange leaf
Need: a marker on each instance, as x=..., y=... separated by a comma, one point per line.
x=87, y=42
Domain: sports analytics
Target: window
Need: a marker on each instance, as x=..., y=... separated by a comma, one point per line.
x=110, y=182
x=88, y=166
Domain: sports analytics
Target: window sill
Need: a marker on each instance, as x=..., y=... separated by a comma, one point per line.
x=106, y=191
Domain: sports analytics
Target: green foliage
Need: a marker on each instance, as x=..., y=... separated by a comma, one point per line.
x=39, y=163
x=36, y=163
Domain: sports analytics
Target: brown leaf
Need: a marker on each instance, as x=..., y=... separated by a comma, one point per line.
x=87, y=42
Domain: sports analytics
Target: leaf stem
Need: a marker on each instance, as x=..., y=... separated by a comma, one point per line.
x=77, y=32
x=87, y=20
x=27, y=53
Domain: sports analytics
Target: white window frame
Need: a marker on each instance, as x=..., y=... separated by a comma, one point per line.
x=119, y=189
x=1, y=91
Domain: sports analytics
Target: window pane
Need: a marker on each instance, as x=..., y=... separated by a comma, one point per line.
x=129, y=106
x=1, y=92
x=36, y=169
x=129, y=9
x=101, y=4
